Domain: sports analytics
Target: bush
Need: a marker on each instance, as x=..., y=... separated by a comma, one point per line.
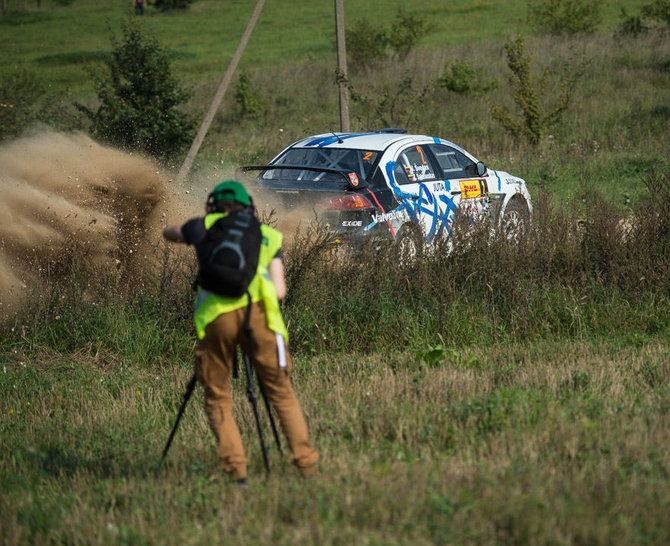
x=406, y=30
x=165, y=5
x=20, y=92
x=564, y=16
x=658, y=10
x=366, y=44
x=398, y=105
x=249, y=100
x=139, y=98
x=631, y=25
x=460, y=77
x=534, y=121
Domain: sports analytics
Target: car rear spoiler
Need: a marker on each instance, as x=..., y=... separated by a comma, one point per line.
x=350, y=177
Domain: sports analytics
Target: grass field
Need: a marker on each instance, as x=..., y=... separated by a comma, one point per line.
x=614, y=131
x=503, y=394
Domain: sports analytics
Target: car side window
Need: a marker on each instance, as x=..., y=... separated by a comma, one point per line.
x=454, y=164
x=413, y=166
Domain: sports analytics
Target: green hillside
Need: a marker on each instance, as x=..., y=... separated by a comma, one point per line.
x=614, y=130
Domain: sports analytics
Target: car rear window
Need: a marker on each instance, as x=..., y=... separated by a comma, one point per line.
x=359, y=161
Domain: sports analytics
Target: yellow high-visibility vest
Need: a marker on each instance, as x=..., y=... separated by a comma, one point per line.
x=208, y=305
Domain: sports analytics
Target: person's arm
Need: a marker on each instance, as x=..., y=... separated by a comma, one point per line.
x=174, y=234
x=277, y=276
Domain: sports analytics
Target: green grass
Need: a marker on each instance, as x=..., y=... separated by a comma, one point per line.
x=522, y=447
x=615, y=125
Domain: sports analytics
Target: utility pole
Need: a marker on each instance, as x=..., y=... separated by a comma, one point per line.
x=342, y=67
x=223, y=86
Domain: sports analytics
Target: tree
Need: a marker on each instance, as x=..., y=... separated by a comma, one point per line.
x=139, y=97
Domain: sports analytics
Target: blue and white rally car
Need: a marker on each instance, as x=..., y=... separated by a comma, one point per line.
x=389, y=183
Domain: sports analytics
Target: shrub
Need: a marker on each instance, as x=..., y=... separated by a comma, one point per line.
x=564, y=16
x=405, y=31
x=139, y=98
x=631, y=25
x=398, y=105
x=460, y=77
x=249, y=100
x=19, y=95
x=658, y=10
x=534, y=121
x=165, y=5
x=366, y=44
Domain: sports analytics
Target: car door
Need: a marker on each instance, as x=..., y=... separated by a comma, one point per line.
x=466, y=191
x=420, y=189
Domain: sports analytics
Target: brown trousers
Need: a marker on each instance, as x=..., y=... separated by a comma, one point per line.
x=215, y=355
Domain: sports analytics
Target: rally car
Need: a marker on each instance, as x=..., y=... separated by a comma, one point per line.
x=389, y=183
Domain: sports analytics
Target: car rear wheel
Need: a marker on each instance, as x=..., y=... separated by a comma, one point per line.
x=515, y=220
x=409, y=245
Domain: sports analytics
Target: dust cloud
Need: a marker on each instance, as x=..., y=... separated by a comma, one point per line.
x=66, y=198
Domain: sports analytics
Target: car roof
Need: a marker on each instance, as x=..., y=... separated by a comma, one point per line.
x=357, y=141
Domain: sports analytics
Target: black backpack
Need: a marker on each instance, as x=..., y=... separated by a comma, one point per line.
x=228, y=255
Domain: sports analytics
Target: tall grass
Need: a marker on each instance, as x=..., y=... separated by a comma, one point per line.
x=502, y=393
x=587, y=270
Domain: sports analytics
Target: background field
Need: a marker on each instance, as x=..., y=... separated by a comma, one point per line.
x=614, y=131
x=504, y=394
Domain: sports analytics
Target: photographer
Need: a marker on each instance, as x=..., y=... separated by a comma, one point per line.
x=222, y=324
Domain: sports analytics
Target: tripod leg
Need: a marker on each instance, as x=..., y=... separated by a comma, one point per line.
x=187, y=396
x=253, y=398
x=272, y=421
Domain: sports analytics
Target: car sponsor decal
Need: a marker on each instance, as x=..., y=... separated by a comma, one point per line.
x=352, y=223
x=438, y=208
x=476, y=187
x=353, y=178
x=383, y=212
x=391, y=215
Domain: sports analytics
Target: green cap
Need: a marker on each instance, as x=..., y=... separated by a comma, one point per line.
x=230, y=190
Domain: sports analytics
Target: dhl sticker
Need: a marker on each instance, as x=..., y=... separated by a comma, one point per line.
x=474, y=188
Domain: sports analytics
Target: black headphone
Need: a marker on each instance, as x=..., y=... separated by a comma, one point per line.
x=210, y=205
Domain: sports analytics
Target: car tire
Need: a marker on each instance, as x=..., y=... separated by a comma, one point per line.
x=409, y=244
x=515, y=220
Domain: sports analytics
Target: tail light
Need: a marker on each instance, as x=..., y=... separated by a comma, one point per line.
x=345, y=202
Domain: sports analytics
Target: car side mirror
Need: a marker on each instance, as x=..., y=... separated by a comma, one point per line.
x=481, y=168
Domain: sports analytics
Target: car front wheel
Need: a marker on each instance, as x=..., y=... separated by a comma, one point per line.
x=515, y=220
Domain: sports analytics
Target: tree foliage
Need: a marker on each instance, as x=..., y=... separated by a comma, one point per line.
x=139, y=98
